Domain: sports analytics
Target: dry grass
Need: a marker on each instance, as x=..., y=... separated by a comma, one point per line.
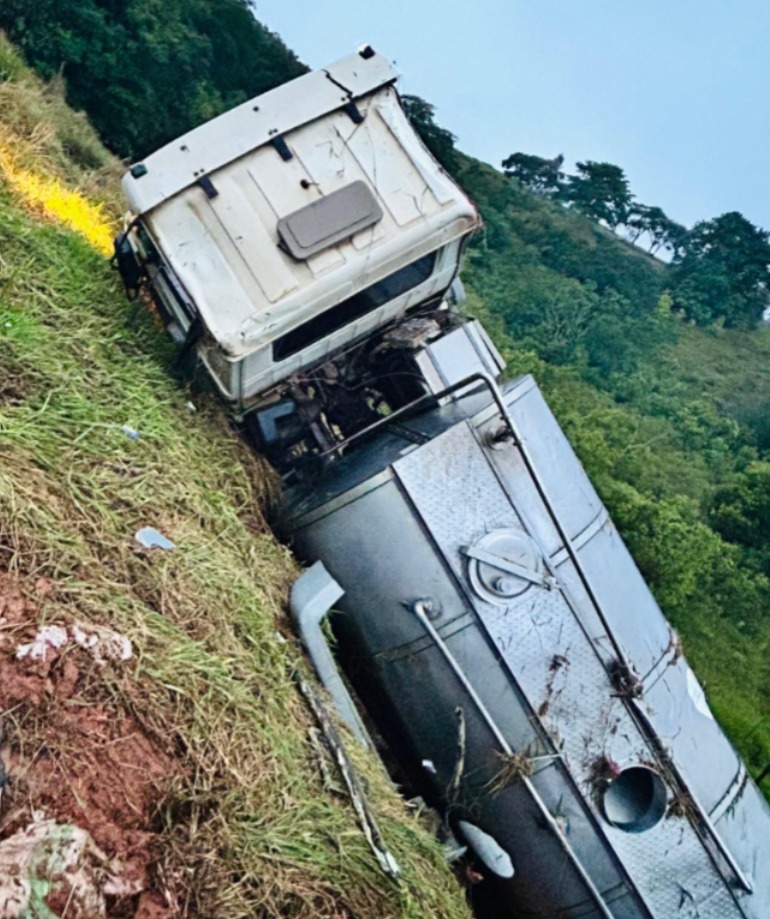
x=513, y=768
x=52, y=198
x=249, y=828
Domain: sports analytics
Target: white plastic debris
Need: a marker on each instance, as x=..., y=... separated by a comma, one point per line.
x=103, y=644
x=151, y=538
x=429, y=766
x=48, y=861
x=48, y=636
x=130, y=432
x=695, y=691
x=488, y=850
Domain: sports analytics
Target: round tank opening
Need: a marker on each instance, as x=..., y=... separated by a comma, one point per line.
x=504, y=564
x=636, y=800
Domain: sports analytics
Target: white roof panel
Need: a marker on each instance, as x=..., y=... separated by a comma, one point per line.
x=252, y=124
x=223, y=242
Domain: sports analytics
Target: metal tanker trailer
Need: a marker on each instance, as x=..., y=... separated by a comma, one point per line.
x=506, y=646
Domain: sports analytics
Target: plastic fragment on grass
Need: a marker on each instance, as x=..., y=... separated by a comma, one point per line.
x=130, y=432
x=48, y=636
x=47, y=864
x=151, y=538
x=104, y=645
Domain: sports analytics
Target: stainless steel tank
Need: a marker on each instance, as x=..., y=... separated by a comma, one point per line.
x=506, y=646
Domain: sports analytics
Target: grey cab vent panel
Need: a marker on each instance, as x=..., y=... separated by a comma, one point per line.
x=329, y=220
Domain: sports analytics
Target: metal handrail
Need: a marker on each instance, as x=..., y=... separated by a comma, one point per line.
x=634, y=708
x=427, y=400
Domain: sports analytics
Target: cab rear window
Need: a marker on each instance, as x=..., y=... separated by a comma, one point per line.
x=394, y=285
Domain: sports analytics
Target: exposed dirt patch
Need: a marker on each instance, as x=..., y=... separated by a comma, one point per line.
x=73, y=751
x=15, y=386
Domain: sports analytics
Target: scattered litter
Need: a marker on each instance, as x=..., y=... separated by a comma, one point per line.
x=698, y=697
x=8, y=325
x=48, y=636
x=150, y=538
x=192, y=407
x=48, y=864
x=429, y=766
x=103, y=644
x=130, y=432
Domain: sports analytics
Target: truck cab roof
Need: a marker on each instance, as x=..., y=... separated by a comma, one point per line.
x=295, y=201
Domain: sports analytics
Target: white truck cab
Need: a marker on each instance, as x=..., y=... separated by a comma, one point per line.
x=286, y=232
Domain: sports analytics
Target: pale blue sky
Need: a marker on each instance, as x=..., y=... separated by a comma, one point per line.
x=676, y=92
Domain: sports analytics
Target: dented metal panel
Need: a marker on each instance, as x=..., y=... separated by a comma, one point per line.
x=368, y=194
x=541, y=641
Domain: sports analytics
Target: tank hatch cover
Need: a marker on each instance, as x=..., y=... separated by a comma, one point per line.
x=329, y=220
x=503, y=564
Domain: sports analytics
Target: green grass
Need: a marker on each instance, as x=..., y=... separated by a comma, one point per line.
x=732, y=368
x=248, y=827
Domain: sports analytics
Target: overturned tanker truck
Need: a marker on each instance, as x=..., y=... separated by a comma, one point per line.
x=305, y=248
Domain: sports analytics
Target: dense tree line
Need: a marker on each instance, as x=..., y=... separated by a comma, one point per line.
x=722, y=265
x=146, y=71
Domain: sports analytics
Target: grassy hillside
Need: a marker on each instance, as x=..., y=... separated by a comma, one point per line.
x=191, y=763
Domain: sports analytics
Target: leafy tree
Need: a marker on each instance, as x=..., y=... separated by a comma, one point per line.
x=146, y=71
x=741, y=511
x=600, y=191
x=661, y=231
x=723, y=272
x=676, y=239
x=538, y=174
x=438, y=140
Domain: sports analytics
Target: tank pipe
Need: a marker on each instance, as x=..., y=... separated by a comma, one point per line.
x=419, y=610
x=313, y=594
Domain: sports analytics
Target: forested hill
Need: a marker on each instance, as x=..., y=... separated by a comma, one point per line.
x=659, y=371
x=146, y=71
